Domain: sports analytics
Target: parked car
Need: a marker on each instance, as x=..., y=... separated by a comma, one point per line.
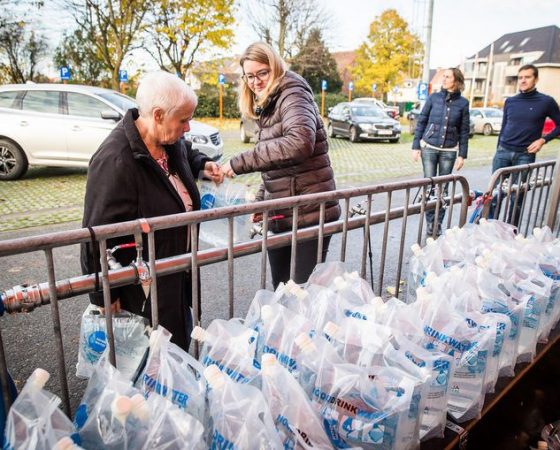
x=248, y=129
x=62, y=125
x=392, y=111
x=413, y=114
x=487, y=121
x=362, y=121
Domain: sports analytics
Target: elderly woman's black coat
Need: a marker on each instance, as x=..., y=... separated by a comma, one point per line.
x=125, y=183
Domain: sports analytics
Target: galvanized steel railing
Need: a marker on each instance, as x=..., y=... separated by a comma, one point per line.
x=378, y=206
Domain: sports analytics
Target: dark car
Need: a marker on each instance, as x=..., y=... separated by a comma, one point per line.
x=362, y=121
x=413, y=114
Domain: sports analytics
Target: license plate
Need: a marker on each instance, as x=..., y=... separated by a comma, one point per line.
x=385, y=132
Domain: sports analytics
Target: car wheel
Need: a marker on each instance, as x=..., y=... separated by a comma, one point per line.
x=245, y=138
x=354, y=137
x=330, y=131
x=394, y=141
x=13, y=162
x=487, y=129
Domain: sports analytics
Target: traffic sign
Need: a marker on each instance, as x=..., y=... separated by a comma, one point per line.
x=351, y=86
x=422, y=91
x=221, y=79
x=65, y=73
x=123, y=76
x=324, y=85
x=374, y=87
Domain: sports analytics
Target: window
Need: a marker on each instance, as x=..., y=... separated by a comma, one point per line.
x=476, y=114
x=123, y=102
x=7, y=99
x=504, y=45
x=85, y=106
x=524, y=41
x=41, y=101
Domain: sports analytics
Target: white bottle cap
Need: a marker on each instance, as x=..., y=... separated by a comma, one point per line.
x=430, y=241
x=199, y=334
x=536, y=232
x=214, y=376
x=483, y=221
x=39, y=378
x=339, y=283
x=140, y=408
x=416, y=249
x=266, y=313
x=331, y=329
x=268, y=361
x=304, y=342
x=66, y=443
x=121, y=408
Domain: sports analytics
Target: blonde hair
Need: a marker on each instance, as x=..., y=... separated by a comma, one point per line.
x=262, y=53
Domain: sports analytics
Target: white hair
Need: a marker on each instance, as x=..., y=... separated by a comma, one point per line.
x=163, y=90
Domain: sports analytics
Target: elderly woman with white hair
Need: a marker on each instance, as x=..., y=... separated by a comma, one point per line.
x=145, y=169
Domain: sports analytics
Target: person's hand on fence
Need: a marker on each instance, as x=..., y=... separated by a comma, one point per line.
x=536, y=145
x=213, y=172
x=459, y=163
x=415, y=155
x=115, y=307
x=227, y=170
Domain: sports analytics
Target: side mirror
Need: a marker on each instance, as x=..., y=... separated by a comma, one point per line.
x=111, y=114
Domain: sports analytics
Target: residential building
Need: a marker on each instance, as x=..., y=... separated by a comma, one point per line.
x=492, y=72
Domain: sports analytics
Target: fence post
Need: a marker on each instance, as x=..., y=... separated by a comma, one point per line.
x=553, y=209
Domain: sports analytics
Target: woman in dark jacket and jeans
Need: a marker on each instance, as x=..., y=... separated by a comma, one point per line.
x=291, y=152
x=442, y=135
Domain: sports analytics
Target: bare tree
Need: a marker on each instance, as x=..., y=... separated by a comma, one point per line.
x=285, y=24
x=115, y=27
x=20, y=48
x=181, y=29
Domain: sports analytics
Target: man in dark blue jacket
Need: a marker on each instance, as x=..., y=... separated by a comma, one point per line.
x=521, y=134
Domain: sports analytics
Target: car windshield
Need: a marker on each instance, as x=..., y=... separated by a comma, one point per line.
x=367, y=111
x=121, y=101
x=497, y=113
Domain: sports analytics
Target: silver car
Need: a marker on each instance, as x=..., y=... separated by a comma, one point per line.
x=63, y=125
x=487, y=120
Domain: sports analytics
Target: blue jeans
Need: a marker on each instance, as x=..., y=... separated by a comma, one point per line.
x=509, y=158
x=437, y=163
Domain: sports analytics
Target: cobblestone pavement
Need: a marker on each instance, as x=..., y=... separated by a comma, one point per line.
x=48, y=196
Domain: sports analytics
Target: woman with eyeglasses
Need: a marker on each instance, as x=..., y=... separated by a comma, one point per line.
x=291, y=153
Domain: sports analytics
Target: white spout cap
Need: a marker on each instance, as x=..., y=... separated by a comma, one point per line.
x=214, y=376
x=199, y=334
x=339, y=283
x=266, y=313
x=430, y=241
x=39, y=378
x=304, y=342
x=268, y=361
x=66, y=443
x=121, y=408
x=331, y=329
x=416, y=249
x=296, y=290
x=537, y=232
x=140, y=408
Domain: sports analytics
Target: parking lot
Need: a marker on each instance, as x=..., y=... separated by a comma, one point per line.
x=48, y=196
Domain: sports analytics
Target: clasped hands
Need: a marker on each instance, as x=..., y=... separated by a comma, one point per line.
x=216, y=172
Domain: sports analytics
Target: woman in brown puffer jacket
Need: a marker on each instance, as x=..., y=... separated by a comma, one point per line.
x=291, y=152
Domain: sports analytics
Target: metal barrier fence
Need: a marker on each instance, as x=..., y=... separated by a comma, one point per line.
x=378, y=206
x=522, y=195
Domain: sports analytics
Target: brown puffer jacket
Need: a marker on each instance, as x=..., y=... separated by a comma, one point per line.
x=291, y=153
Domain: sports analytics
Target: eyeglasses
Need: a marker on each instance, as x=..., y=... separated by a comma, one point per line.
x=261, y=75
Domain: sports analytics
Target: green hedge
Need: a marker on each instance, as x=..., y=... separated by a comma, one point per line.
x=209, y=102
x=331, y=99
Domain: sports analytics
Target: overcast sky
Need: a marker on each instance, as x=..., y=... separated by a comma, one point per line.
x=460, y=27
